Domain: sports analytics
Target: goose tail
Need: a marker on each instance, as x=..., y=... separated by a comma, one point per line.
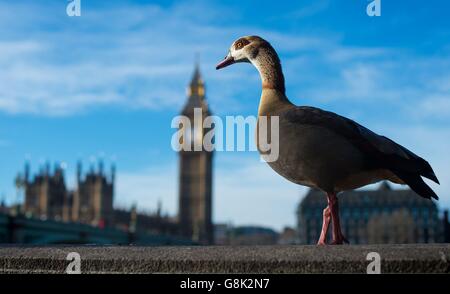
x=416, y=183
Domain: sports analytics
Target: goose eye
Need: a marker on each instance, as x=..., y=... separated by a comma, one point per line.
x=239, y=45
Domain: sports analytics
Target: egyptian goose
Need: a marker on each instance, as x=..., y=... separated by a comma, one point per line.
x=324, y=150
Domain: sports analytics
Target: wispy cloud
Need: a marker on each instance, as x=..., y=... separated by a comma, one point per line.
x=136, y=62
x=141, y=60
x=435, y=106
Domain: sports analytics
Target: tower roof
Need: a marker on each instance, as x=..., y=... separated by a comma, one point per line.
x=197, y=86
x=196, y=92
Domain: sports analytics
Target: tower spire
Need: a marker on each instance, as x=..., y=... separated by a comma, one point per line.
x=197, y=86
x=195, y=93
x=197, y=60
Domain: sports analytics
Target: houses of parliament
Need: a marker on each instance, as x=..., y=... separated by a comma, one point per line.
x=91, y=201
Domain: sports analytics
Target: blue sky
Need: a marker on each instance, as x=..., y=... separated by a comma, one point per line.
x=107, y=85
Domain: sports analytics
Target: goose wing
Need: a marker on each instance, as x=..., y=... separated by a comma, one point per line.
x=380, y=151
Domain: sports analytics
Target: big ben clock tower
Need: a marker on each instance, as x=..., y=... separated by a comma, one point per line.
x=195, y=166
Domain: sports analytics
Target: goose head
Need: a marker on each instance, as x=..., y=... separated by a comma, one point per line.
x=262, y=55
x=244, y=49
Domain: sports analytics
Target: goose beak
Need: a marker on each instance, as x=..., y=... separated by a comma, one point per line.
x=229, y=60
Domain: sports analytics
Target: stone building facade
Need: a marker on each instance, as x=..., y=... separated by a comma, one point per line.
x=377, y=216
x=92, y=201
x=47, y=197
x=45, y=193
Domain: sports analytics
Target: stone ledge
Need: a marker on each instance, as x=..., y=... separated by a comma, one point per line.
x=418, y=258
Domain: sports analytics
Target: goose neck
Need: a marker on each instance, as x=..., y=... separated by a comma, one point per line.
x=273, y=95
x=269, y=68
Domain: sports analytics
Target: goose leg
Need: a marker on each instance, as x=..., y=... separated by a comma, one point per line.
x=338, y=237
x=325, y=225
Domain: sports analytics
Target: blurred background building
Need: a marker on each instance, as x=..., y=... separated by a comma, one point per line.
x=45, y=193
x=375, y=216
